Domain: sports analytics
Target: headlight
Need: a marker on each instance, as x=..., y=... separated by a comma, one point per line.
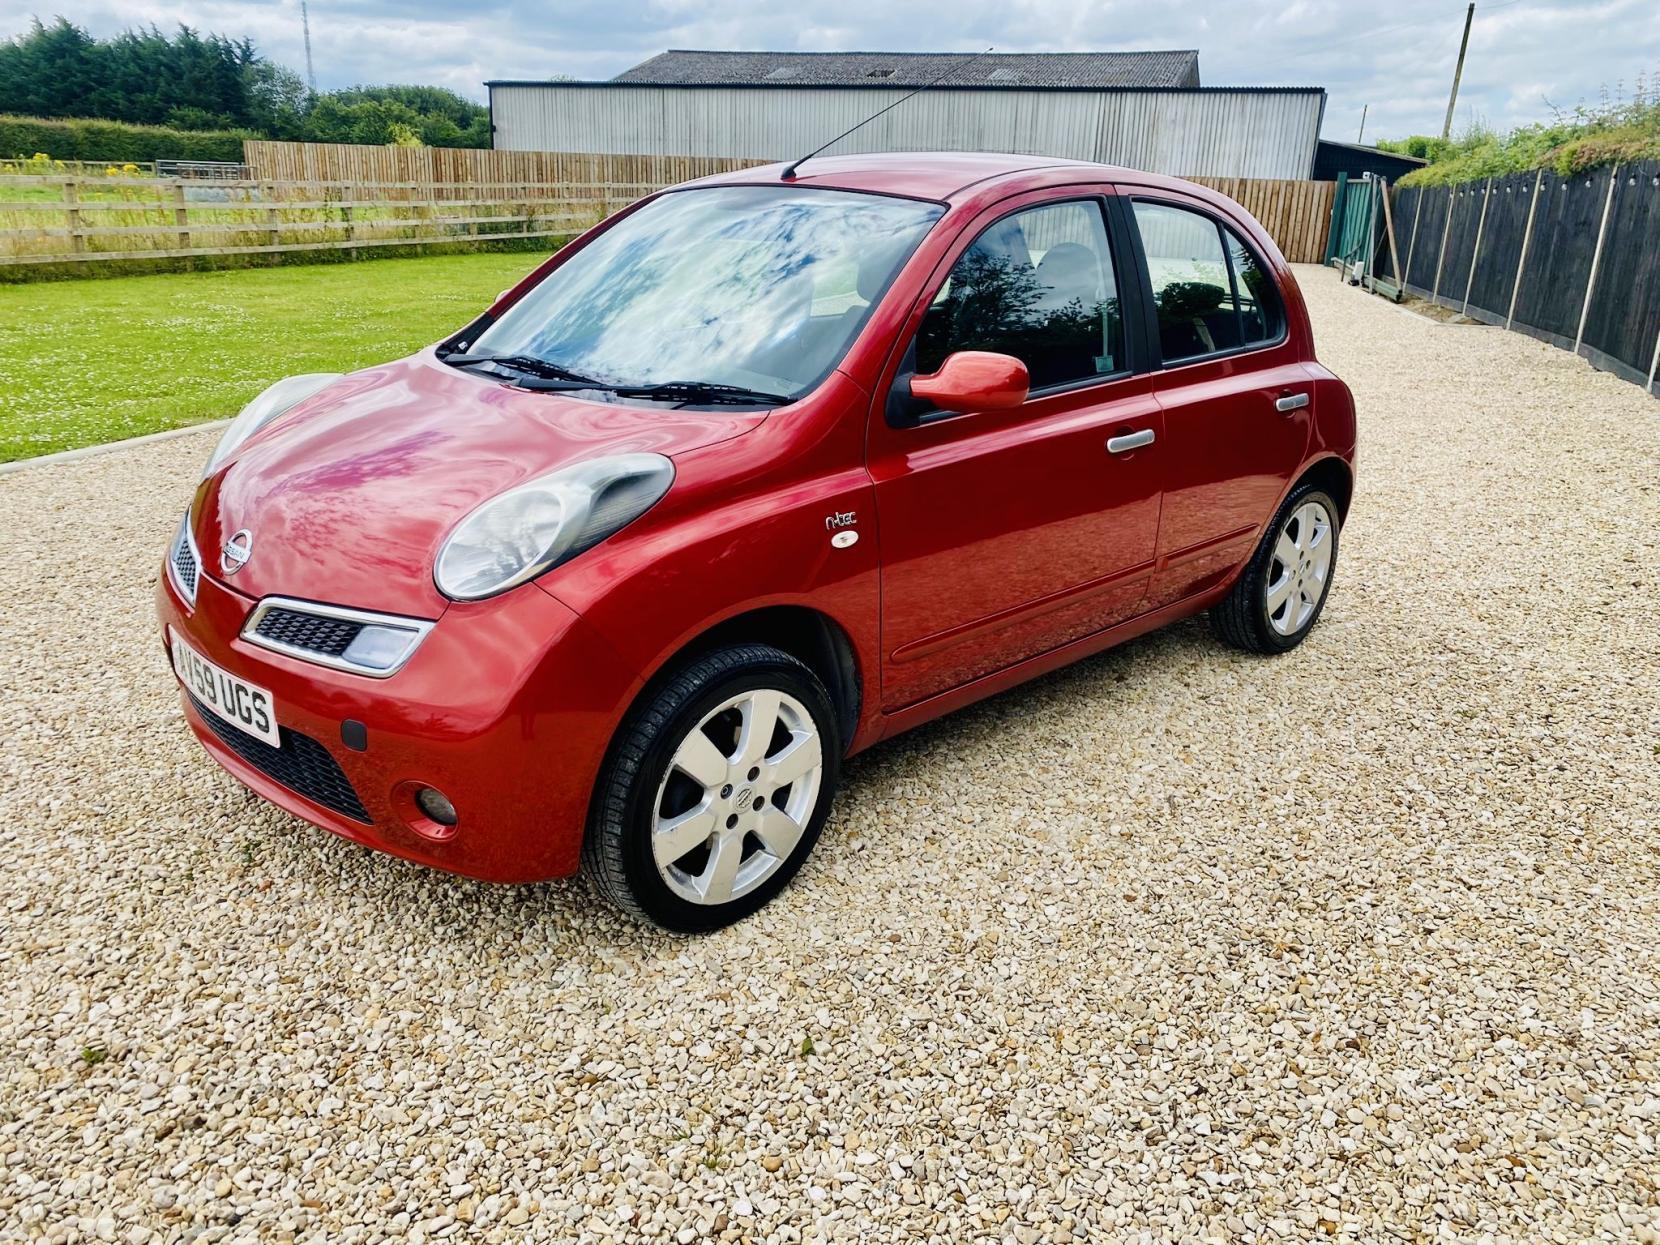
x=534, y=527
x=282, y=396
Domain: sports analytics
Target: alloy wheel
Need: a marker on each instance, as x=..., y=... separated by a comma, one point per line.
x=1299, y=569
x=737, y=796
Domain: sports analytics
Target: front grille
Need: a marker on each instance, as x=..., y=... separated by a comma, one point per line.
x=312, y=632
x=357, y=641
x=302, y=764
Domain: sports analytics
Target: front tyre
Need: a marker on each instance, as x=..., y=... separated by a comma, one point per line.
x=715, y=790
x=1280, y=593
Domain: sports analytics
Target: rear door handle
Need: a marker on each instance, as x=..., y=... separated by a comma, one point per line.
x=1129, y=441
x=1289, y=402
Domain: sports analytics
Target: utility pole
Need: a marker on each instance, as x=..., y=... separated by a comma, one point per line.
x=1364, y=108
x=1469, y=16
x=311, y=73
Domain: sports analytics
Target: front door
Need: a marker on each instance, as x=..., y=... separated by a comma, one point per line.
x=1006, y=534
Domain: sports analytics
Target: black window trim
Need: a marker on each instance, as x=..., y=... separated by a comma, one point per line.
x=1149, y=308
x=1122, y=249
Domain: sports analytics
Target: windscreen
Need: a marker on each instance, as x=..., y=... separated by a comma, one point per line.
x=763, y=287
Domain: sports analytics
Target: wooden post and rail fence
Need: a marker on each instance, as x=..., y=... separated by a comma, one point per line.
x=313, y=197
x=68, y=220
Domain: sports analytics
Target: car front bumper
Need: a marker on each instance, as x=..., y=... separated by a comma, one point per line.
x=506, y=707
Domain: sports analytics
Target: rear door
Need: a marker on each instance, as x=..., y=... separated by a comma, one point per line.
x=1236, y=396
x=1009, y=533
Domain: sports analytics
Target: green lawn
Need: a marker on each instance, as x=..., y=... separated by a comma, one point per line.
x=82, y=362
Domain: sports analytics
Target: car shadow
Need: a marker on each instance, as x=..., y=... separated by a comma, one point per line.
x=436, y=909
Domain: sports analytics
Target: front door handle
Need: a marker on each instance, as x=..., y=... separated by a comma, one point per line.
x=1129, y=441
x=1286, y=403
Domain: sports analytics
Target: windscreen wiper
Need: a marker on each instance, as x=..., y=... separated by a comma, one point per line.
x=701, y=392
x=541, y=368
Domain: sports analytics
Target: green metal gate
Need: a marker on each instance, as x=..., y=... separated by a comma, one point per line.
x=1361, y=239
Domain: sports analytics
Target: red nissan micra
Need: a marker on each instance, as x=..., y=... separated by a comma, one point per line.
x=749, y=477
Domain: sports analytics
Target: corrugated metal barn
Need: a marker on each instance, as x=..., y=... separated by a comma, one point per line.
x=1143, y=110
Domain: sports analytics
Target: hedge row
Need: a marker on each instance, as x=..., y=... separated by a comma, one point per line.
x=115, y=140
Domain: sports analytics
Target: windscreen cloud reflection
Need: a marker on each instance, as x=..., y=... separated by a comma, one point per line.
x=754, y=286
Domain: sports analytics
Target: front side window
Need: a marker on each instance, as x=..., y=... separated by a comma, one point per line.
x=1038, y=285
x=760, y=287
x=1209, y=290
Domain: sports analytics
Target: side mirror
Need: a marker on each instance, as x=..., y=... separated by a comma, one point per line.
x=975, y=380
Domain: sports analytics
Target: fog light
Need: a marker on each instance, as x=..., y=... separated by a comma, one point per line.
x=436, y=805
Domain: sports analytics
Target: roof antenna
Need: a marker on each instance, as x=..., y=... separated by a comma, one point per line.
x=789, y=173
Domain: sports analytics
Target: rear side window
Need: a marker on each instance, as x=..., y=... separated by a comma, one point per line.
x=1038, y=285
x=1210, y=291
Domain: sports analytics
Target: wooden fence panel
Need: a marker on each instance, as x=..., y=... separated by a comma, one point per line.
x=1624, y=320
x=444, y=166
x=1501, y=246
x=1296, y=214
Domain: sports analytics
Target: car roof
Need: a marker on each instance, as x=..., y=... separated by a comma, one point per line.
x=942, y=175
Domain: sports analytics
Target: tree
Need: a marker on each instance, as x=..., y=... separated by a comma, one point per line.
x=43, y=72
x=278, y=100
x=195, y=81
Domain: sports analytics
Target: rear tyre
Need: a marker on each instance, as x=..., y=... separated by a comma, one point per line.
x=715, y=790
x=1280, y=593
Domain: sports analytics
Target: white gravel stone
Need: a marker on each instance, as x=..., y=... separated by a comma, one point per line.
x=1176, y=945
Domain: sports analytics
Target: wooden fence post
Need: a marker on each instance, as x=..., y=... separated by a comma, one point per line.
x=1596, y=258
x=1446, y=232
x=72, y=214
x=1521, y=259
x=1394, y=254
x=1475, y=251
x=181, y=216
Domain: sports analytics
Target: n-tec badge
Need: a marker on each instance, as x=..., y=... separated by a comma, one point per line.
x=236, y=552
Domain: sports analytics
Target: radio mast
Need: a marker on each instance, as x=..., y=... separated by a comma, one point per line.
x=310, y=71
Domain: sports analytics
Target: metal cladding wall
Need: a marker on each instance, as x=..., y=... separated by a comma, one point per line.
x=1208, y=132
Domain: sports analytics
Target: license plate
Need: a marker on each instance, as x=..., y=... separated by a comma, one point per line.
x=237, y=701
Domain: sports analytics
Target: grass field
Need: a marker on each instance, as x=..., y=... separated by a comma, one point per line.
x=85, y=362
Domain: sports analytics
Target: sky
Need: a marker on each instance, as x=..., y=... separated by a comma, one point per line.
x=1526, y=56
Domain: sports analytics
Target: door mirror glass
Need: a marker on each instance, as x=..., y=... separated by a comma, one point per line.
x=975, y=380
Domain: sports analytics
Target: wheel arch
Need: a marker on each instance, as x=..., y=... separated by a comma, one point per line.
x=1335, y=476
x=809, y=635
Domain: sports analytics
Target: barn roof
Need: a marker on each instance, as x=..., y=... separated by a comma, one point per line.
x=687, y=67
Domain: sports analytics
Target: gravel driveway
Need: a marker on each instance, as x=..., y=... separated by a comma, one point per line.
x=1359, y=943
